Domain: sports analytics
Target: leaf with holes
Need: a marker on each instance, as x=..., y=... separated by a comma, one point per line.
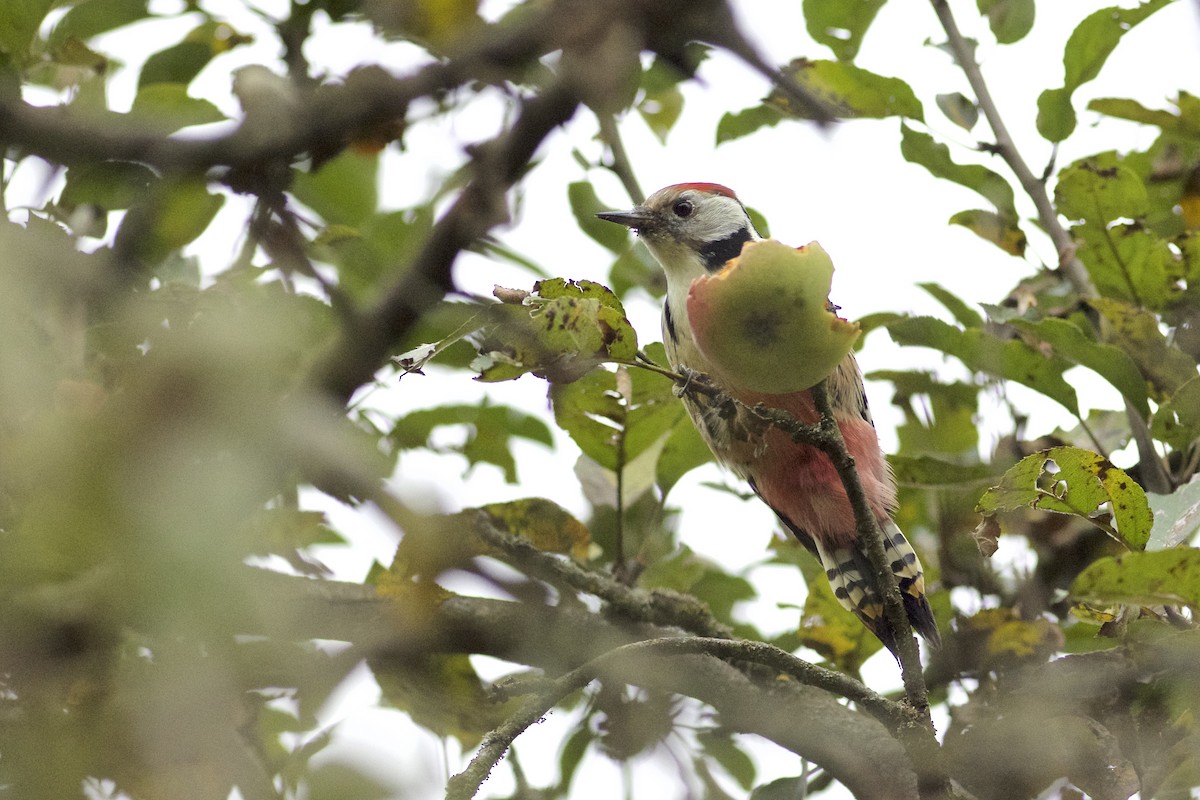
x=560, y=332
x=1069, y=480
x=839, y=25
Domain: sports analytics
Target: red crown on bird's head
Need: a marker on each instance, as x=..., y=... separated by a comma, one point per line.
x=711, y=188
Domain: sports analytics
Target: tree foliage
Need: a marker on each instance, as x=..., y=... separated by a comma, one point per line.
x=166, y=626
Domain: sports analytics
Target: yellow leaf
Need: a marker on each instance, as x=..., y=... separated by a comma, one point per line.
x=545, y=524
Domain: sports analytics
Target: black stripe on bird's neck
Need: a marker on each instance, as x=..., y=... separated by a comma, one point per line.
x=670, y=323
x=717, y=253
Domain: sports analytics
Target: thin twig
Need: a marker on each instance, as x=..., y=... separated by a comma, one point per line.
x=621, y=166
x=1154, y=474
x=1005, y=147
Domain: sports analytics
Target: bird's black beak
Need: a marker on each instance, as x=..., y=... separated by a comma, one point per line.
x=636, y=219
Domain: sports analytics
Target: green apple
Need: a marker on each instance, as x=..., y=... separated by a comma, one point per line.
x=764, y=321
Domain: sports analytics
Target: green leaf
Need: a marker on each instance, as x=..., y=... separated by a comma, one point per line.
x=1129, y=263
x=661, y=102
x=1009, y=359
x=959, y=109
x=685, y=571
x=180, y=270
x=587, y=409
x=182, y=62
x=560, y=333
x=1125, y=261
x=1099, y=189
x=572, y=753
x=1137, y=332
x=166, y=107
x=170, y=216
x=19, y=25
x=683, y=451
x=759, y=222
x=490, y=431
x=1069, y=480
x=179, y=63
x=285, y=530
x=1009, y=20
x=344, y=190
x=1108, y=361
x=185, y=212
x=999, y=230
x=368, y=255
x=635, y=267
x=1087, y=49
x=1177, y=419
x=963, y=313
x=1161, y=577
x=614, y=424
x=1132, y=110
x=93, y=17
x=545, y=524
x=840, y=25
x=109, y=185
x=850, y=92
x=929, y=471
x=921, y=148
x=720, y=746
x=736, y=124
x=781, y=789
x=1056, y=116
x=943, y=422
x=585, y=204
x=332, y=779
x=1176, y=516
x=448, y=324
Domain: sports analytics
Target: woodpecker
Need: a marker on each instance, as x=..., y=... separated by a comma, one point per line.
x=693, y=230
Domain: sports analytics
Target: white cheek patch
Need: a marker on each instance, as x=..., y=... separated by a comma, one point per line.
x=718, y=218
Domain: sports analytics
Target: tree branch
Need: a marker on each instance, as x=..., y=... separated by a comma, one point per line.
x=324, y=122
x=857, y=750
x=657, y=607
x=640, y=659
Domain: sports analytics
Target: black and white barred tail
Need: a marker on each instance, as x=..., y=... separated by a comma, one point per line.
x=856, y=586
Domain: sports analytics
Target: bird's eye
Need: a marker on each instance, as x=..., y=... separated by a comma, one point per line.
x=683, y=208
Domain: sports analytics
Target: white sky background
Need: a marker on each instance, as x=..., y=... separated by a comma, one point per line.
x=882, y=220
